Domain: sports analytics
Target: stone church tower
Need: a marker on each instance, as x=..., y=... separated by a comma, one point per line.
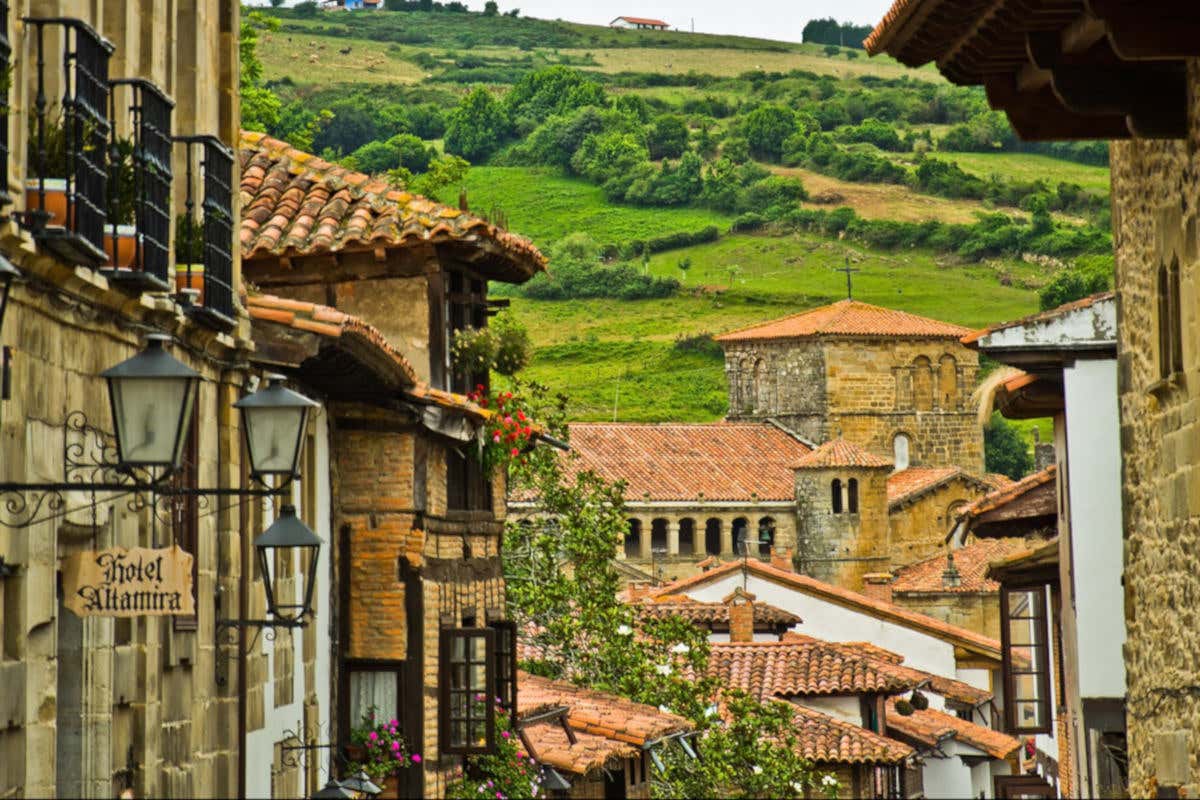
x=894, y=383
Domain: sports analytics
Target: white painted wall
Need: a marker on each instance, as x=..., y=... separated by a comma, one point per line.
x=1094, y=459
x=847, y=709
x=948, y=777
x=260, y=744
x=835, y=623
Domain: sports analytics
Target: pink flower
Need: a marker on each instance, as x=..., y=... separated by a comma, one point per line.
x=395, y=746
x=504, y=734
x=495, y=437
x=394, y=723
x=373, y=736
x=416, y=757
x=508, y=421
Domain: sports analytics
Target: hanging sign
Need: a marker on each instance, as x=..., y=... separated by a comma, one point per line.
x=139, y=582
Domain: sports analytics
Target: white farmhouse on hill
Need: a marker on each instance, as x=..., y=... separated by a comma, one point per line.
x=639, y=23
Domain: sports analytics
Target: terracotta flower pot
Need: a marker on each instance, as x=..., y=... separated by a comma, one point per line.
x=55, y=199
x=122, y=254
x=191, y=276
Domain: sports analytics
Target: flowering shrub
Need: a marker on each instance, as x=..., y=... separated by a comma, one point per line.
x=503, y=347
x=383, y=746
x=508, y=772
x=507, y=434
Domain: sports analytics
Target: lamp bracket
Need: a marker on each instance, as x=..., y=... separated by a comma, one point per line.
x=91, y=465
x=228, y=636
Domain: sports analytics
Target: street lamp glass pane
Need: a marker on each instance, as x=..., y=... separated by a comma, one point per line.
x=274, y=435
x=148, y=415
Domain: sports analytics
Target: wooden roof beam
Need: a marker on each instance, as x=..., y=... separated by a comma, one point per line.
x=1040, y=115
x=1142, y=30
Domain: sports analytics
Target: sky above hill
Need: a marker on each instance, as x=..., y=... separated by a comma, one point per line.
x=769, y=19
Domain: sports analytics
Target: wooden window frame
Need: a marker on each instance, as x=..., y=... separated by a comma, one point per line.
x=185, y=514
x=504, y=682
x=447, y=690
x=467, y=485
x=1041, y=619
x=465, y=307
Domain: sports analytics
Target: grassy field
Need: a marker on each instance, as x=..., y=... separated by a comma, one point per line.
x=886, y=200
x=545, y=206
x=1030, y=167
x=306, y=58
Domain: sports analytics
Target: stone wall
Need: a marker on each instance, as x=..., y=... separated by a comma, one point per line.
x=780, y=380
x=975, y=611
x=919, y=527
x=841, y=547
x=1155, y=189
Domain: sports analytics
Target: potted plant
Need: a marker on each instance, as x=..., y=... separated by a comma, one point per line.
x=120, y=231
x=189, y=255
x=49, y=193
x=378, y=748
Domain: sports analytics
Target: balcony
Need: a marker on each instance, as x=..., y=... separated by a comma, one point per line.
x=204, y=245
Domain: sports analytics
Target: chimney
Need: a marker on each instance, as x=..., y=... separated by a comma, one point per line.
x=741, y=615
x=781, y=558
x=951, y=578
x=639, y=589
x=878, y=586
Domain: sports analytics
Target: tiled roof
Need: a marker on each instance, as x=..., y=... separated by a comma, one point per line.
x=826, y=739
x=877, y=39
x=1010, y=493
x=848, y=318
x=679, y=461
x=929, y=727
x=598, y=713
x=713, y=613
x=950, y=688
x=970, y=560
x=968, y=639
x=841, y=453
x=549, y=744
x=909, y=484
x=295, y=204
x=1041, y=316
x=1039, y=555
x=803, y=666
x=643, y=21
x=327, y=322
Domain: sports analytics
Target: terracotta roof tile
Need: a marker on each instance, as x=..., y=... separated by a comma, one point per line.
x=950, y=688
x=848, y=318
x=802, y=666
x=695, y=611
x=912, y=483
x=681, y=461
x=598, y=713
x=825, y=739
x=294, y=204
x=1041, y=316
x=891, y=612
x=929, y=727
x=549, y=745
x=1008, y=494
x=841, y=453
x=970, y=560
x=643, y=21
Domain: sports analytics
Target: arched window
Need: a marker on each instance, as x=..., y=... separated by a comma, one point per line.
x=900, y=451
x=852, y=495
x=948, y=382
x=633, y=539
x=835, y=495
x=749, y=398
x=687, y=536
x=658, y=535
x=712, y=536
x=760, y=387
x=766, y=536
x=741, y=528
x=922, y=384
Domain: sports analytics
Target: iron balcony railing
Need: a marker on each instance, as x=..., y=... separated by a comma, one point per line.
x=72, y=145
x=139, y=188
x=204, y=246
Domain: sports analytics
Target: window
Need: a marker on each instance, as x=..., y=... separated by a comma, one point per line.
x=1026, y=659
x=633, y=539
x=1170, y=338
x=947, y=382
x=741, y=529
x=466, y=307
x=506, y=665
x=374, y=691
x=900, y=451
x=467, y=486
x=712, y=536
x=687, y=536
x=766, y=536
x=922, y=384
x=467, y=658
x=835, y=495
x=658, y=535
x=852, y=495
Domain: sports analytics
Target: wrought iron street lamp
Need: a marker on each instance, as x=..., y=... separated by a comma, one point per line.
x=274, y=419
x=152, y=397
x=333, y=791
x=290, y=534
x=361, y=783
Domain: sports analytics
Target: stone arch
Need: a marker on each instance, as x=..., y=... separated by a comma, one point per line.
x=759, y=380
x=687, y=536
x=835, y=495
x=766, y=536
x=901, y=450
x=922, y=384
x=712, y=536
x=658, y=534
x=852, y=495
x=947, y=394
x=741, y=530
x=633, y=539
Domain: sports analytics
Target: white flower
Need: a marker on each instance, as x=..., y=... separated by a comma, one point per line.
x=624, y=630
x=756, y=769
x=680, y=649
x=797, y=786
x=664, y=709
x=663, y=669
x=829, y=780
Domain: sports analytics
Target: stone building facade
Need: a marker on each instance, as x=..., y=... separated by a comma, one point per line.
x=894, y=383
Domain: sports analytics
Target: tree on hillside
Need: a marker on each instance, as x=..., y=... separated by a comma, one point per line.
x=1003, y=449
x=829, y=31
x=490, y=8
x=766, y=128
x=667, y=137
x=478, y=127
x=260, y=106
x=552, y=90
x=1086, y=277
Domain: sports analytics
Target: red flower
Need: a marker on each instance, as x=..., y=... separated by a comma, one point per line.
x=515, y=452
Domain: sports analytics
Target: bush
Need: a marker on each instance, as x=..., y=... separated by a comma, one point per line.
x=667, y=137
x=478, y=127
x=872, y=131
x=766, y=128
x=1086, y=277
x=1004, y=451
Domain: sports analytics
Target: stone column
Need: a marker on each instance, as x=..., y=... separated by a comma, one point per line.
x=647, y=536
x=727, y=535
x=673, y=539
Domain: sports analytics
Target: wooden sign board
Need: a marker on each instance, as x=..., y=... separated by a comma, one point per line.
x=140, y=582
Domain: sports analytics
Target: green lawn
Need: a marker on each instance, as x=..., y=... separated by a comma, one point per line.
x=1031, y=167
x=545, y=206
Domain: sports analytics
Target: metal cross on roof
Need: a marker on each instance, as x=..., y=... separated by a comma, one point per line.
x=848, y=270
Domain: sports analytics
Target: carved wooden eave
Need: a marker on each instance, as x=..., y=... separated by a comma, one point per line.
x=1060, y=69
